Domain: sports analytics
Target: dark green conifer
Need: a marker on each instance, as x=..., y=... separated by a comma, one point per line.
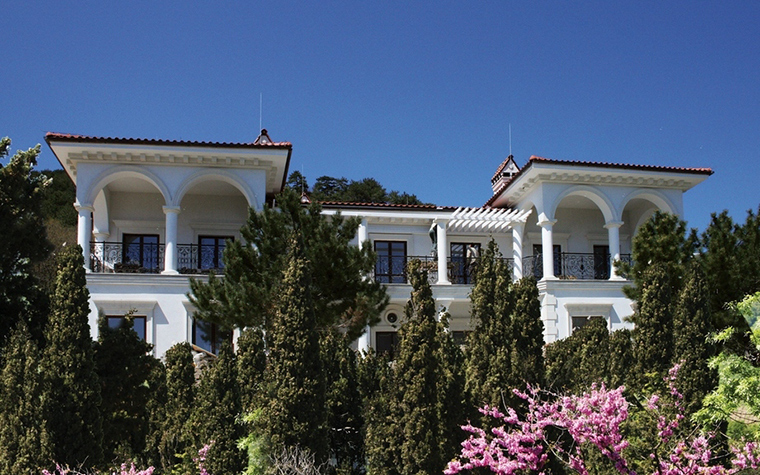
x=124, y=365
x=452, y=399
x=527, y=332
x=251, y=363
x=294, y=407
x=343, y=404
x=692, y=348
x=381, y=431
x=71, y=398
x=653, y=332
x=177, y=440
x=24, y=445
x=217, y=406
x=416, y=374
x=155, y=408
x=580, y=360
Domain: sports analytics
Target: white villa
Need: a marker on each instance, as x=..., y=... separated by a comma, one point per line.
x=153, y=213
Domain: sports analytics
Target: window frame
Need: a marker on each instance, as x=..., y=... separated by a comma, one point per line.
x=468, y=263
x=142, y=248
x=220, y=243
x=215, y=340
x=135, y=318
x=390, y=277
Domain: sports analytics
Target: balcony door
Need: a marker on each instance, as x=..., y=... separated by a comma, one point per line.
x=390, y=267
x=211, y=250
x=141, y=250
x=538, y=260
x=602, y=262
x=463, y=260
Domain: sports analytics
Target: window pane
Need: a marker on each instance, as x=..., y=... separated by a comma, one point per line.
x=386, y=342
x=138, y=324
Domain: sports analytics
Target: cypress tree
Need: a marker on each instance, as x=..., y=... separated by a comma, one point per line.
x=577, y=362
x=176, y=438
x=376, y=386
x=251, y=364
x=71, y=398
x=216, y=409
x=416, y=373
x=155, y=409
x=343, y=403
x=24, y=445
x=487, y=354
x=294, y=406
x=452, y=400
x=527, y=332
x=692, y=348
x=620, y=357
x=653, y=333
x=123, y=366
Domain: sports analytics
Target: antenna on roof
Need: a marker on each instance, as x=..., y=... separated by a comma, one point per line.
x=261, y=108
x=510, y=139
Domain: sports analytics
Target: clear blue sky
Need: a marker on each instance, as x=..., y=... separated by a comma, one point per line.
x=418, y=95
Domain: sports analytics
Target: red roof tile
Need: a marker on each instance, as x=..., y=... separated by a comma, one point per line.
x=623, y=166
x=138, y=141
x=346, y=204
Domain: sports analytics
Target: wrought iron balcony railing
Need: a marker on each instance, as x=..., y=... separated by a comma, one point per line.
x=573, y=265
x=392, y=269
x=116, y=257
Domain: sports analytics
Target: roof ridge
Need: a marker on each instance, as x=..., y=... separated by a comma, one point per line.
x=146, y=141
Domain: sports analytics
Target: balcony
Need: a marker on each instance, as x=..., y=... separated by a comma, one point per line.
x=573, y=265
x=148, y=258
x=392, y=270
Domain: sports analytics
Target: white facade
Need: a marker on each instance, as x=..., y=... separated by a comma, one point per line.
x=152, y=211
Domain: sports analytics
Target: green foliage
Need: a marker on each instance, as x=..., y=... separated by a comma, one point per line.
x=217, y=406
x=23, y=242
x=416, y=375
x=343, y=403
x=24, y=442
x=176, y=442
x=294, y=406
x=692, y=349
x=527, y=331
x=254, y=444
x=124, y=367
x=381, y=433
x=247, y=295
x=58, y=197
x=575, y=363
x=71, y=398
x=251, y=364
x=452, y=400
x=155, y=408
x=367, y=190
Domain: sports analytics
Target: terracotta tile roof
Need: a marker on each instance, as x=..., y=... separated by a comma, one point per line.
x=346, y=204
x=501, y=167
x=138, y=141
x=621, y=166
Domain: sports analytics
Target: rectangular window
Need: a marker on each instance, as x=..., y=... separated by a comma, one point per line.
x=463, y=259
x=138, y=323
x=386, y=342
x=390, y=267
x=210, y=251
x=581, y=321
x=460, y=337
x=210, y=336
x=538, y=260
x=141, y=250
x=601, y=262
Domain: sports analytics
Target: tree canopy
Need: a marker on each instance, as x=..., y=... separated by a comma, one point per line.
x=366, y=190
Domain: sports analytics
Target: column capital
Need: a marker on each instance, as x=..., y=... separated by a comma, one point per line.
x=547, y=223
x=441, y=221
x=171, y=209
x=81, y=208
x=613, y=224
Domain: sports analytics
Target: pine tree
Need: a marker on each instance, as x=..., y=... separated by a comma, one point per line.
x=123, y=366
x=487, y=354
x=653, y=332
x=416, y=373
x=251, y=362
x=24, y=444
x=71, y=398
x=294, y=407
x=527, y=331
x=343, y=403
x=177, y=441
x=692, y=348
x=214, y=415
x=23, y=244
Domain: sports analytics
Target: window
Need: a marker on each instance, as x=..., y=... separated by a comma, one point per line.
x=210, y=251
x=581, y=321
x=390, y=267
x=460, y=337
x=463, y=260
x=210, y=336
x=141, y=250
x=386, y=342
x=602, y=262
x=138, y=323
x=538, y=260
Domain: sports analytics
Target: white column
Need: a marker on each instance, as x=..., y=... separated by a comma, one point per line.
x=84, y=230
x=517, y=250
x=613, y=232
x=443, y=244
x=547, y=248
x=364, y=342
x=170, y=248
x=361, y=233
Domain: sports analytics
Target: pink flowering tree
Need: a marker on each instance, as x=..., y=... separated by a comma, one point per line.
x=590, y=422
